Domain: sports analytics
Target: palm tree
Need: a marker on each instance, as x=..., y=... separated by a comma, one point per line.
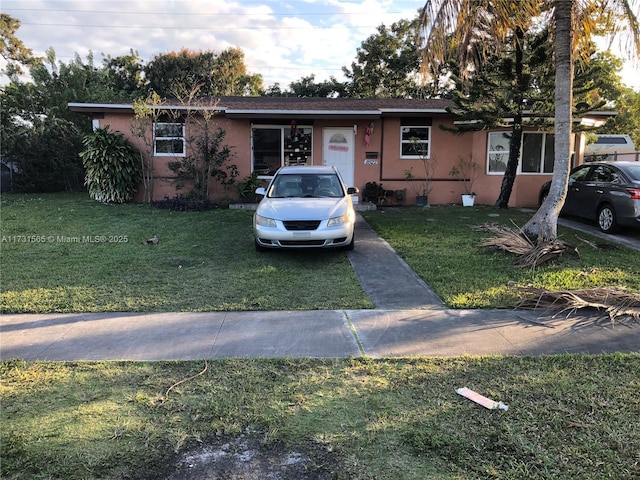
x=619, y=15
x=464, y=23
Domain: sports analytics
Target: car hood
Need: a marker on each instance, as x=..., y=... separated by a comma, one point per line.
x=303, y=208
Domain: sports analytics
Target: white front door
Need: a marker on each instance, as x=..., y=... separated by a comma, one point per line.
x=338, y=151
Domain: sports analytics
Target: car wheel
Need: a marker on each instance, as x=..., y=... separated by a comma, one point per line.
x=543, y=197
x=259, y=248
x=607, y=219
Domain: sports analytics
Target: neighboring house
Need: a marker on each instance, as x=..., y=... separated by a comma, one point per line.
x=7, y=171
x=369, y=140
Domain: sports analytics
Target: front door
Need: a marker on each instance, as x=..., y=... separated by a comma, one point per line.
x=338, y=151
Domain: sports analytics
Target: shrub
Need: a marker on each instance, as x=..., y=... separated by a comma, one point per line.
x=47, y=157
x=112, y=166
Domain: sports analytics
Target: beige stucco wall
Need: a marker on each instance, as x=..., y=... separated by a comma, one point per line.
x=388, y=169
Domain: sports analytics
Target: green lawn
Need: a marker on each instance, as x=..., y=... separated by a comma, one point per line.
x=440, y=245
x=570, y=416
x=67, y=253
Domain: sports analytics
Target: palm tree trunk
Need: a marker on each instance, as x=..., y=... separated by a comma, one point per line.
x=544, y=224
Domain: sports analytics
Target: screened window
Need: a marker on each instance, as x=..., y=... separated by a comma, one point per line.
x=498, y=154
x=169, y=139
x=536, y=152
x=274, y=146
x=415, y=141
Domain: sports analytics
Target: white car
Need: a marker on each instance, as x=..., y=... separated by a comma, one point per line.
x=305, y=207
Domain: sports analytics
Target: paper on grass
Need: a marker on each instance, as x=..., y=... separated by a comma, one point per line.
x=481, y=399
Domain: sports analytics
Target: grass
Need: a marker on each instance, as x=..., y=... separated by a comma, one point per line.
x=570, y=416
x=67, y=253
x=440, y=246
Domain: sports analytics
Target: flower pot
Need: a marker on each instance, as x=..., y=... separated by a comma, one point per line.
x=468, y=200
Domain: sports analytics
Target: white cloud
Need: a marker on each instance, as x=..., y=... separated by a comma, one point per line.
x=282, y=40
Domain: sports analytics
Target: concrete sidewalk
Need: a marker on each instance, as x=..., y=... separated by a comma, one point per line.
x=409, y=320
x=330, y=333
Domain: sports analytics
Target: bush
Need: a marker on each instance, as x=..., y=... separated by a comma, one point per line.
x=185, y=203
x=112, y=166
x=47, y=157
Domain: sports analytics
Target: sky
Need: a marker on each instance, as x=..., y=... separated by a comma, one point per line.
x=282, y=40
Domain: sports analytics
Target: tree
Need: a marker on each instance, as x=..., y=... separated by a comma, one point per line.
x=35, y=112
x=518, y=83
x=478, y=30
x=208, y=156
x=46, y=153
x=511, y=81
x=125, y=75
x=307, y=87
x=387, y=64
x=212, y=74
x=231, y=77
x=628, y=118
x=12, y=49
x=618, y=15
x=470, y=21
x=147, y=111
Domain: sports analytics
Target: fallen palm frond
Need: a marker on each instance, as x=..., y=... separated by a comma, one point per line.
x=613, y=303
x=516, y=242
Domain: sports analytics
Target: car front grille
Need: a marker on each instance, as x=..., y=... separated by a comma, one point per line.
x=302, y=243
x=301, y=224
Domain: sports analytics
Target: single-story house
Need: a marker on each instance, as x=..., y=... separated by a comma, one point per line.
x=368, y=140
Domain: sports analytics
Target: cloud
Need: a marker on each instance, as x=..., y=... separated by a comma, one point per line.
x=283, y=41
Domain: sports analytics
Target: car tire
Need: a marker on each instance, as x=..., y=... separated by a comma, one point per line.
x=259, y=248
x=543, y=197
x=607, y=219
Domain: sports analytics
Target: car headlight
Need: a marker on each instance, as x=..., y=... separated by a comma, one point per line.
x=341, y=220
x=265, y=222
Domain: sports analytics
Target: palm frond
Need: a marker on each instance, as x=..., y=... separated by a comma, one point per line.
x=611, y=302
x=514, y=241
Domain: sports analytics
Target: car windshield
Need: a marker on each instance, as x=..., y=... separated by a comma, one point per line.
x=306, y=185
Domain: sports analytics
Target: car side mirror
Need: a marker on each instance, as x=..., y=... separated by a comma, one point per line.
x=353, y=190
x=261, y=191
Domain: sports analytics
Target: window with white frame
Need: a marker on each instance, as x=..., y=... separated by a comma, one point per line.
x=536, y=152
x=415, y=141
x=169, y=140
x=498, y=151
x=276, y=145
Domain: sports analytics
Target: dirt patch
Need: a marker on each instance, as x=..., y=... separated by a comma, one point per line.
x=247, y=458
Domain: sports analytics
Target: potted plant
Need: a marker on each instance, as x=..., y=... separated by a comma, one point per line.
x=466, y=171
x=422, y=187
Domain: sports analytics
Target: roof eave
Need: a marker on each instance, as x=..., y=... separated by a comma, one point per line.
x=412, y=110
x=89, y=108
